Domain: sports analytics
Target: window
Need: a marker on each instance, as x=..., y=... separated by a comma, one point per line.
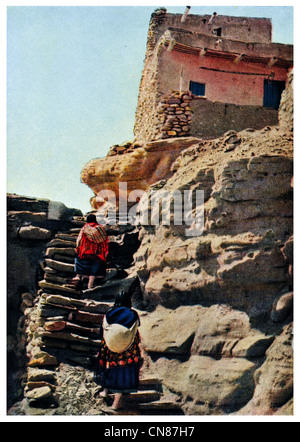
x=197, y=88
x=217, y=31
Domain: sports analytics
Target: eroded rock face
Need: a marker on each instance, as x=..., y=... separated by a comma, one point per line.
x=229, y=289
x=239, y=258
x=274, y=379
x=286, y=110
x=139, y=166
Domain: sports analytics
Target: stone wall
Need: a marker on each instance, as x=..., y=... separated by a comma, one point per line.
x=31, y=223
x=181, y=114
x=175, y=115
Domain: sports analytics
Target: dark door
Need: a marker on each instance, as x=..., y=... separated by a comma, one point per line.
x=272, y=93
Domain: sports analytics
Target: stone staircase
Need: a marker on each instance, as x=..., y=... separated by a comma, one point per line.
x=64, y=329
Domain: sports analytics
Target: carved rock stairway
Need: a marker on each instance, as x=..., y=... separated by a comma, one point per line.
x=64, y=329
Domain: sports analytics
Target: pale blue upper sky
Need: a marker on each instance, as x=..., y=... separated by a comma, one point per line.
x=73, y=77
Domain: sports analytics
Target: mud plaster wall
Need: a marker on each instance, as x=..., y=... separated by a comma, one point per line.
x=211, y=120
x=236, y=28
x=241, y=83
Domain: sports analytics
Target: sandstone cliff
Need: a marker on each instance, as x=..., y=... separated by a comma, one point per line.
x=139, y=165
x=221, y=333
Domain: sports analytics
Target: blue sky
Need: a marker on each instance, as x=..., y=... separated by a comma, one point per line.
x=73, y=77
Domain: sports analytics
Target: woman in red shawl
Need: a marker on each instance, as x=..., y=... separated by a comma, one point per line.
x=91, y=251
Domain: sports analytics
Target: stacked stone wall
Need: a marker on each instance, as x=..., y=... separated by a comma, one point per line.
x=175, y=115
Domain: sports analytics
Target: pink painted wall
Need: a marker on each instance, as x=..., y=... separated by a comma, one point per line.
x=224, y=87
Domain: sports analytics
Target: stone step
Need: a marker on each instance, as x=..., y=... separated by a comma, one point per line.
x=77, y=223
x=65, y=251
x=60, y=243
x=160, y=408
x=62, y=258
x=55, y=279
x=150, y=383
x=57, y=326
x=67, y=237
x=86, y=317
x=156, y=407
x=110, y=289
x=38, y=384
x=24, y=215
x=71, y=337
x=58, y=265
x=47, y=285
x=141, y=396
x=84, y=305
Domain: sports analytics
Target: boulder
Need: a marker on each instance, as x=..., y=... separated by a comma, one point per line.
x=43, y=360
x=219, y=331
x=214, y=386
x=170, y=331
x=34, y=233
x=253, y=346
x=42, y=394
x=282, y=307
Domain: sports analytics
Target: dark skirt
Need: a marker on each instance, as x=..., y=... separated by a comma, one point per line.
x=121, y=379
x=90, y=267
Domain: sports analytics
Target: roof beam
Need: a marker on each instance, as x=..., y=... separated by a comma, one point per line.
x=183, y=18
x=203, y=52
x=272, y=61
x=239, y=58
x=212, y=17
x=171, y=44
x=283, y=63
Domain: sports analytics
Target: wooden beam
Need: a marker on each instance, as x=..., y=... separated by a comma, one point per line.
x=272, y=61
x=171, y=45
x=203, y=52
x=212, y=17
x=239, y=58
x=183, y=18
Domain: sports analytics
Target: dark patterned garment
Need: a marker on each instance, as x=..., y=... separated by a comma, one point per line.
x=107, y=359
x=119, y=372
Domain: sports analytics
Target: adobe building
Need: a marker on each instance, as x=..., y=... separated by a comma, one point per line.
x=207, y=74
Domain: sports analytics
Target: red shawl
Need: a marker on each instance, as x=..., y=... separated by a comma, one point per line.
x=92, y=241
